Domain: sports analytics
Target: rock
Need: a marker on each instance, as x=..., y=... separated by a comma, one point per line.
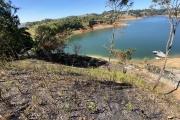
x=2, y=74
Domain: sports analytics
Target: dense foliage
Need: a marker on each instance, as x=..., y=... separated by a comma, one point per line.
x=13, y=39
x=49, y=38
x=72, y=22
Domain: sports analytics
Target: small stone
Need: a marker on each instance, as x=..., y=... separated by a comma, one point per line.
x=2, y=74
x=170, y=117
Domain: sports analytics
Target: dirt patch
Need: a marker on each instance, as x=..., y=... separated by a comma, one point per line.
x=171, y=63
x=81, y=31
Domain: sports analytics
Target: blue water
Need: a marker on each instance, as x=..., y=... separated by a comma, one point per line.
x=146, y=35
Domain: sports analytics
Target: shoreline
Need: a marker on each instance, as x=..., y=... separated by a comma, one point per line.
x=104, y=26
x=97, y=27
x=173, y=62
x=130, y=18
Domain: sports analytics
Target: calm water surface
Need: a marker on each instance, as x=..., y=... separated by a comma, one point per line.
x=146, y=35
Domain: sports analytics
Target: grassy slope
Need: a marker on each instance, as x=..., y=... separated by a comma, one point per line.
x=44, y=90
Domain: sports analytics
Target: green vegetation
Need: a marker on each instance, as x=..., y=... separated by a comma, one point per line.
x=92, y=106
x=47, y=40
x=66, y=26
x=129, y=106
x=123, y=56
x=13, y=40
x=72, y=22
x=51, y=34
x=137, y=13
x=147, y=12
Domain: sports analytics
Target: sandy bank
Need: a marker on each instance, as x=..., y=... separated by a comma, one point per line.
x=103, y=26
x=173, y=62
x=96, y=27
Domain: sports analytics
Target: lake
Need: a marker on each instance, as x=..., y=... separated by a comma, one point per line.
x=146, y=35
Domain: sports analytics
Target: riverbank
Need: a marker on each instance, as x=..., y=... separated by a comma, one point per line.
x=104, y=26
x=173, y=62
x=97, y=27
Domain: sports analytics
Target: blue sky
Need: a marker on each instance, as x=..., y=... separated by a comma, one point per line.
x=35, y=10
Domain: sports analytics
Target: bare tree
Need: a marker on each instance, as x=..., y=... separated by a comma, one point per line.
x=77, y=48
x=172, y=12
x=117, y=6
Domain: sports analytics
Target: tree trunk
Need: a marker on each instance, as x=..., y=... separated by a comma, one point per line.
x=111, y=46
x=168, y=48
x=162, y=70
x=47, y=52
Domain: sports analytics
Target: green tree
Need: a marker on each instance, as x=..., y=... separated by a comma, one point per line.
x=49, y=39
x=125, y=55
x=12, y=38
x=172, y=11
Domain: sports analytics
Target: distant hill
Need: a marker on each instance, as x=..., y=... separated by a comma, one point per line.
x=68, y=24
x=108, y=14
x=137, y=13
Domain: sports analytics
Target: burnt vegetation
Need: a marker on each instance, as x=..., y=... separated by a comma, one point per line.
x=36, y=89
